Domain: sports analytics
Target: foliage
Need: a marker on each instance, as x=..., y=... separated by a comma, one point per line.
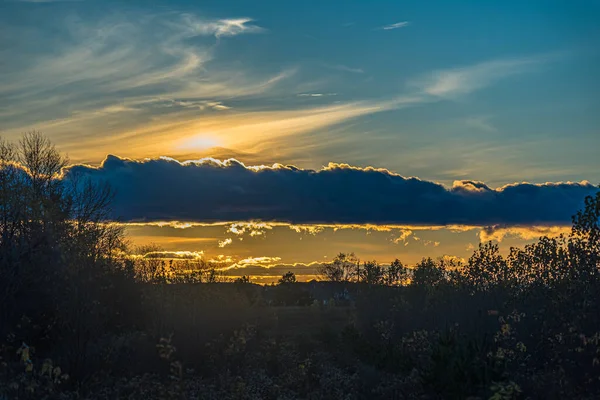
x=288, y=277
x=372, y=273
x=59, y=263
x=243, y=279
x=396, y=274
x=344, y=268
x=428, y=273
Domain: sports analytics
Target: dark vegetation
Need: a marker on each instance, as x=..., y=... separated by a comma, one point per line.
x=82, y=318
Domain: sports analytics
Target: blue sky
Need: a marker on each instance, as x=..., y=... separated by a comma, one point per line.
x=495, y=91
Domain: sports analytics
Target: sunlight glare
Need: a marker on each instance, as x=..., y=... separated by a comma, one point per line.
x=199, y=142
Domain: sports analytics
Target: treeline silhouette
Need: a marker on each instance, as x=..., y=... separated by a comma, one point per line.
x=84, y=316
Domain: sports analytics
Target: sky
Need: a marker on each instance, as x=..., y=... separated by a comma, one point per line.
x=376, y=126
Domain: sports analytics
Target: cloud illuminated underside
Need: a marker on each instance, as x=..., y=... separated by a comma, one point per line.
x=401, y=233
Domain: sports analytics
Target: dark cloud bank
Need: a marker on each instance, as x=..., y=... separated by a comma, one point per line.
x=210, y=190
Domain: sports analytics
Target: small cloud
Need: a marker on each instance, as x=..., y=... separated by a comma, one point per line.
x=221, y=259
x=500, y=232
x=397, y=25
x=252, y=228
x=316, y=94
x=481, y=123
x=199, y=104
x=309, y=229
x=217, y=105
x=404, y=234
x=259, y=260
x=345, y=68
x=270, y=272
x=225, y=242
x=221, y=28
x=174, y=255
x=237, y=229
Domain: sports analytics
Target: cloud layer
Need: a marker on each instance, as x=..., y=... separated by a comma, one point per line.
x=212, y=190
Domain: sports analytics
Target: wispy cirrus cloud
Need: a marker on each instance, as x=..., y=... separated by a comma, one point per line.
x=155, y=84
x=140, y=69
x=396, y=25
x=454, y=82
x=220, y=28
x=116, y=56
x=160, y=80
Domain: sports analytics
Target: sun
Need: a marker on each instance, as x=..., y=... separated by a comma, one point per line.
x=199, y=142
